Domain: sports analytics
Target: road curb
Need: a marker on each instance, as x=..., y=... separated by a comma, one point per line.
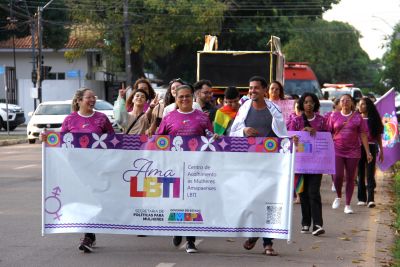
x=11, y=142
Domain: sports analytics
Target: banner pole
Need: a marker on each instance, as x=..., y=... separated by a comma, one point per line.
x=291, y=178
x=43, y=184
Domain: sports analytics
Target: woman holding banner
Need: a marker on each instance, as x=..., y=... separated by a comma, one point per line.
x=375, y=129
x=185, y=121
x=310, y=198
x=84, y=119
x=347, y=128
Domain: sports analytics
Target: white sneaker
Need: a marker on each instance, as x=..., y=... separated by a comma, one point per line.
x=333, y=188
x=348, y=209
x=361, y=203
x=336, y=203
x=371, y=204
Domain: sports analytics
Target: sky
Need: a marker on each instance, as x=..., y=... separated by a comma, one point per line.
x=373, y=18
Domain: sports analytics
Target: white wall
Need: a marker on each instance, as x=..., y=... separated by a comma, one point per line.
x=54, y=59
x=54, y=90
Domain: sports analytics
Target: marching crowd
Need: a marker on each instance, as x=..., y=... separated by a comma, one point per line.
x=190, y=110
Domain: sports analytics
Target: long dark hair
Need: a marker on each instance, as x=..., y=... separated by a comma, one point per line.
x=375, y=125
x=169, y=98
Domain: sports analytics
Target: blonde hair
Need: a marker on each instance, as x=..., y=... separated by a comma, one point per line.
x=77, y=97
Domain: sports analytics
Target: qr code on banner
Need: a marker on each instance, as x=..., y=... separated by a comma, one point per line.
x=274, y=214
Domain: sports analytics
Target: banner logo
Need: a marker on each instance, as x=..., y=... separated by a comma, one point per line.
x=185, y=216
x=146, y=181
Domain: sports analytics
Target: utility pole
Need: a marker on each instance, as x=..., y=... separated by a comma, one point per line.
x=128, y=66
x=40, y=48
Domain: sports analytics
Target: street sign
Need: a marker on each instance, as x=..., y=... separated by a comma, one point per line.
x=34, y=92
x=73, y=73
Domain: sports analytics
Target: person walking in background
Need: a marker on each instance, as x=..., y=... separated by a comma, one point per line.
x=347, y=128
x=203, y=93
x=375, y=129
x=226, y=114
x=136, y=121
x=259, y=117
x=84, y=119
x=275, y=92
x=310, y=198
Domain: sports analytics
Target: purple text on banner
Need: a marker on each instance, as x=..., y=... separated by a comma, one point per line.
x=314, y=154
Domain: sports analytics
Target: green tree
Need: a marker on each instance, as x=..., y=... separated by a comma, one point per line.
x=333, y=51
x=391, y=61
x=248, y=25
x=55, y=32
x=157, y=27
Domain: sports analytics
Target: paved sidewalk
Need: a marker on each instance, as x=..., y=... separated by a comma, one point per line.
x=18, y=136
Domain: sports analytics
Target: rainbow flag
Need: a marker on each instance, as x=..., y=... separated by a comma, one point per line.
x=222, y=118
x=299, y=183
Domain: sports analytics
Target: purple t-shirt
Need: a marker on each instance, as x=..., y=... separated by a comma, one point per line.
x=97, y=123
x=289, y=120
x=347, y=138
x=183, y=124
x=318, y=123
x=371, y=139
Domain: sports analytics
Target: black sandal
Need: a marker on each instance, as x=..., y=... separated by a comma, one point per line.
x=250, y=243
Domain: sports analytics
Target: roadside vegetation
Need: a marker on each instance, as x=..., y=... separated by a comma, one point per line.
x=396, y=250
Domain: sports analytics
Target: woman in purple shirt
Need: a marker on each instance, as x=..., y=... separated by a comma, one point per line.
x=310, y=198
x=84, y=119
x=185, y=121
x=347, y=128
x=375, y=129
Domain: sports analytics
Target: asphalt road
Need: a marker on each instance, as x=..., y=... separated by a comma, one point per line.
x=360, y=239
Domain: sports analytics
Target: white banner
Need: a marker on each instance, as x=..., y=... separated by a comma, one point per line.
x=159, y=191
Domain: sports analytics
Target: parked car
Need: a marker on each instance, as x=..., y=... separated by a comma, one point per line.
x=325, y=107
x=334, y=91
x=50, y=116
x=15, y=116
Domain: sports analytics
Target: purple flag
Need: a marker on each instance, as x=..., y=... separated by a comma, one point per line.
x=390, y=138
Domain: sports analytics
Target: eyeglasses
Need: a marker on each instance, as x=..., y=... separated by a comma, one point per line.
x=207, y=93
x=184, y=96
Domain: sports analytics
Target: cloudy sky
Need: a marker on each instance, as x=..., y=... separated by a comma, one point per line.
x=373, y=18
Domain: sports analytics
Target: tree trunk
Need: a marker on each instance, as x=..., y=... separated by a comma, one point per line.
x=137, y=64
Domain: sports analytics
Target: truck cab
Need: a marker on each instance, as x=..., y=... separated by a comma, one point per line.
x=299, y=79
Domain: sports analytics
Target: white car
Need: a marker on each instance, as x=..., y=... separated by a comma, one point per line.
x=50, y=116
x=335, y=91
x=15, y=116
x=325, y=107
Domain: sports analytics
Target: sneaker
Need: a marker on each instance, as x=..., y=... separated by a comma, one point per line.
x=318, y=230
x=371, y=204
x=305, y=229
x=333, y=188
x=336, y=203
x=177, y=240
x=87, y=244
x=348, y=209
x=191, y=247
x=361, y=203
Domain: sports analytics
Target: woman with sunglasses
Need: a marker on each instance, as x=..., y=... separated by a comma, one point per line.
x=185, y=121
x=167, y=105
